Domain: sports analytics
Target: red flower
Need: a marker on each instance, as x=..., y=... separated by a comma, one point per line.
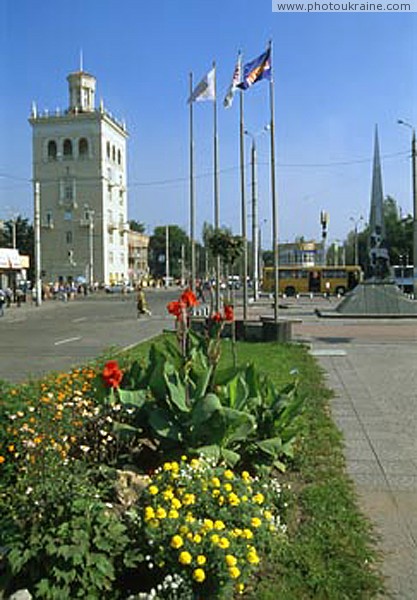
x=189, y=298
x=229, y=314
x=176, y=308
x=216, y=317
x=112, y=375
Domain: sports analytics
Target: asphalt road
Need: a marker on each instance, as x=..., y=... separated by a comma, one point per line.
x=58, y=336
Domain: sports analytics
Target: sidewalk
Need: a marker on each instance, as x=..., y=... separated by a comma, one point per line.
x=372, y=368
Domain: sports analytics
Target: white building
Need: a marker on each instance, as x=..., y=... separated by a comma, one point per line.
x=79, y=160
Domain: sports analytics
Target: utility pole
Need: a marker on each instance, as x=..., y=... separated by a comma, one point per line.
x=167, y=256
x=324, y=221
x=255, y=225
x=37, y=224
x=91, y=248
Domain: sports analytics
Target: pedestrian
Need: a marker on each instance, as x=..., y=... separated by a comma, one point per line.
x=141, y=304
x=2, y=301
x=327, y=286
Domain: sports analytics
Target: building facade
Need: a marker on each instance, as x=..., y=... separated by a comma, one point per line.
x=303, y=254
x=138, y=257
x=79, y=160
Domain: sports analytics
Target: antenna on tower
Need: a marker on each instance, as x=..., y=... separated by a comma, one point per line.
x=81, y=60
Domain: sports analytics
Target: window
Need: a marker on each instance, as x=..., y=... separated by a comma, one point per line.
x=49, y=221
x=67, y=148
x=68, y=190
x=113, y=153
x=108, y=149
x=83, y=148
x=68, y=237
x=52, y=150
x=67, y=215
x=119, y=157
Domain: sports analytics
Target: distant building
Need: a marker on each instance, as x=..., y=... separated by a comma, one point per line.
x=79, y=159
x=13, y=267
x=138, y=256
x=303, y=254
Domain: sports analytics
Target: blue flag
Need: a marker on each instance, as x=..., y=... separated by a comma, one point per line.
x=257, y=69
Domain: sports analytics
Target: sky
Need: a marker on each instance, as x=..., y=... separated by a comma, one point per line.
x=335, y=77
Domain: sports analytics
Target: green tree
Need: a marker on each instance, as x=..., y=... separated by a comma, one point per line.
x=137, y=226
x=157, y=248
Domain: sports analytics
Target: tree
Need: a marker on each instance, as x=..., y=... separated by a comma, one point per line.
x=25, y=239
x=137, y=226
x=157, y=248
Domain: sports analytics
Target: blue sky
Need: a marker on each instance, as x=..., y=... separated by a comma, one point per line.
x=336, y=76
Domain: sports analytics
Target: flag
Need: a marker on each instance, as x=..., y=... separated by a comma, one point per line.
x=236, y=79
x=206, y=89
x=257, y=69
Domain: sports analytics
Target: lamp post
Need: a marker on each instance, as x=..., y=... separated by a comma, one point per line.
x=356, y=241
x=255, y=228
x=324, y=222
x=414, y=188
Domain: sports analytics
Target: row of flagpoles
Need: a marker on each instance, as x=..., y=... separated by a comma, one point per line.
x=244, y=76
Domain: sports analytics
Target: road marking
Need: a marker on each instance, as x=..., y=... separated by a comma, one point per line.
x=73, y=339
x=328, y=352
x=79, y=319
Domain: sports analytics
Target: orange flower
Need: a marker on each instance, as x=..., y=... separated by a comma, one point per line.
x=216, y=317
x=188, y=298
x=112, y=375
x=176, y=308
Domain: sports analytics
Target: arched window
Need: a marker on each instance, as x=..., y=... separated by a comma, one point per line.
x=68, y=236
x=108, y=149
x=119, y=157
x=52, y=150
x=67, y=148
x=113, y=153
x=83, y=147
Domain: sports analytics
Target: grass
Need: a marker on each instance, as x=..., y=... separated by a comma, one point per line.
x=331, y=552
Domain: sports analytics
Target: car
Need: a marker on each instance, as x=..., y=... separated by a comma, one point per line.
x=119, y=288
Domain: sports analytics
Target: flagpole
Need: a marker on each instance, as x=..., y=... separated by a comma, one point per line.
x=216, y=189
x=243, y=209
x=273, y=193
x=192, y=197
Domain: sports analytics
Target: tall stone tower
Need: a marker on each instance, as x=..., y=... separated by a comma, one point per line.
x=79, y=160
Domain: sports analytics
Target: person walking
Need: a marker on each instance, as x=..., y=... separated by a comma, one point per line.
x=2, y=301
x=141, y=304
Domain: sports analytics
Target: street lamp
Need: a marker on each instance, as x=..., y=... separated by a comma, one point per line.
x=255, y=229
x=356, y=223
x=414, y=188
x=324, y=222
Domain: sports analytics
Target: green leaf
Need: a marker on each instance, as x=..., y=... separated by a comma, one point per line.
x=237, y=391
x=238, y=424
x=134, y=398
x=164, y=425
x=231, y=457
x=204, y=408
x=211, y=452
x=272, y=446
x=176, y=389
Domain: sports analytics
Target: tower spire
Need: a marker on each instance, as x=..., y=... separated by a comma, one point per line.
x=81, y=61
x=378, y=252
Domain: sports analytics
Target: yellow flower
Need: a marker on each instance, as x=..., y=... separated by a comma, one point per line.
x=208, y=524
x=173, y=514
x=177, y=542
x=194, y=463
x=154, y=523
x=2, y=459
x=153, y=490
x=234, y=572
x=201, y=559
x=219, y=525
x=176, y=503
x=161, y=513
x=197, y=538
x=236, y=532
x=168, y=494
x=215, y=493
x=189, y=518
x=215, y=538
x=228, y=487
x=149, y=513
x=239, y=587
x=224, y=543
x=256, y=522
x=183, y=529
x=185, y=558
x=247, y=533
x=199, y=575
x=167, y=466
x=234, y=499
x=188, y=499
x=252, y=557
x=268, y=515
x=10, y=448
x=215, y=482
x=246, y=477
x=175, y=467
x=259, y=498
x=231, y=560
x=184, y=458
x=229, y=474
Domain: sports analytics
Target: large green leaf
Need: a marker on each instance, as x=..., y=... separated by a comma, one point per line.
x=236, y=391
x=176, y=389
x=238, y=425
x=134, y=398
x=125, y=432
x=155, y=373
x=211, y=452
x=201, y=381
x=231, y=457
x=272, y=446
x=164, y=425
x=204, y=408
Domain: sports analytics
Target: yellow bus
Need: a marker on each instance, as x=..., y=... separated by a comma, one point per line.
x=315, y=280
